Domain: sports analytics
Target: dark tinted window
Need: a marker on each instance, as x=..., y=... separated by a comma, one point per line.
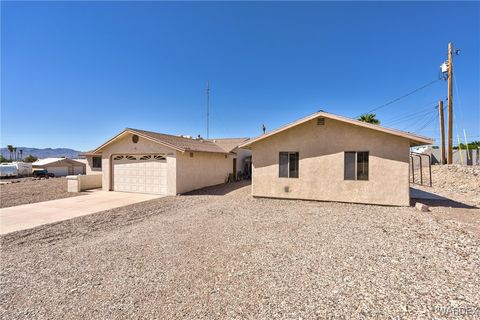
x=283, y=164
x=288, y=165
x=97, y=162
x=362, y=165
x=349, y=170
x=356, y=166
x=293, y=169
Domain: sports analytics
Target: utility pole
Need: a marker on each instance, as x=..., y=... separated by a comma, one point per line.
x=442, y=130
x=208, y=109
x=450, y=104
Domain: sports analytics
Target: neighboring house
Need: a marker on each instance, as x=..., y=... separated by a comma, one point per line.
x=149, y=162
x=332, y=158
x=60, y=166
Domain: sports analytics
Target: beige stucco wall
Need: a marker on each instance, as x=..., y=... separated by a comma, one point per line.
x=83, y=182
x=89, y=166
x=204, y=169
x=321, y=168
x=125, y=145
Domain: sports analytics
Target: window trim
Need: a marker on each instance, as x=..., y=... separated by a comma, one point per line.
x=356, y=165
x=289, y=153
x=93, y=162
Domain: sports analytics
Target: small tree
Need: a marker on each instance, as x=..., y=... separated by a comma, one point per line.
x=30, y=158
x=369, y=118
x=3, y=159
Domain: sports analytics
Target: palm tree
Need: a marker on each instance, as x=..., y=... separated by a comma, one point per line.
x=369, y=118
x=21, y=154
x=15, y=153
x=10, y=149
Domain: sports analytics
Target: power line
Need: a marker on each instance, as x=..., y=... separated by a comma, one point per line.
x=422, y=118
x=401, y=97
x=427, y=123
x=411, y=116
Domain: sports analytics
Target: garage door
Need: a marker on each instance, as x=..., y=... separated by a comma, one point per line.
x=58, y=171
x=140, y=173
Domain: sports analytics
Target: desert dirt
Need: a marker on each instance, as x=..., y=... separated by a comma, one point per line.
x=15, y=192
x=218, y=253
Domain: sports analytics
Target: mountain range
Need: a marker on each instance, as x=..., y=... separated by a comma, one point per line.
x=44, y=153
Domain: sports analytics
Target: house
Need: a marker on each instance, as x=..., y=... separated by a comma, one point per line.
x=332, y=158
x=150, y=162
x=60, y=166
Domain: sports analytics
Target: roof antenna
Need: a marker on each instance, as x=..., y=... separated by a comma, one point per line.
x=208, y=109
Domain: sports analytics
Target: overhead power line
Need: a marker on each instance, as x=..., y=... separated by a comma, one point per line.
x=402, y=97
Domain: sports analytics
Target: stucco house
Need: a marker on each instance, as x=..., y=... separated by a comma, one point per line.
x=333, y=158
x=150, y=162
x=60, y=166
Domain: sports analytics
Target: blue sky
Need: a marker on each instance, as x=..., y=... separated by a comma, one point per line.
x=75, y=74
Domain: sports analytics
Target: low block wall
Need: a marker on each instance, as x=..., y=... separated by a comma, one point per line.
x=84, y=182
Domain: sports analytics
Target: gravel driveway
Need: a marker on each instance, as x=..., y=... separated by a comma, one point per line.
x=27, y=190
x=214, y=256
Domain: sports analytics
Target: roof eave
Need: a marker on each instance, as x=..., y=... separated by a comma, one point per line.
x=128, y=130
x=417, y=140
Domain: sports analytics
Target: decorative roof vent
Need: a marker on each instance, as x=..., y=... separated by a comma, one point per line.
x=320, y=121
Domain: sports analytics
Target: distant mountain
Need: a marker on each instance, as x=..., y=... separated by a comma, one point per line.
x=44, y=153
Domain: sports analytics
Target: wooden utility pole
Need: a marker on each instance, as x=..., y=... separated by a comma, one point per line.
x=442, y=130
x=450, y=104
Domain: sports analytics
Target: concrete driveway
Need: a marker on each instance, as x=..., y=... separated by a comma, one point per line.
x=31, y=215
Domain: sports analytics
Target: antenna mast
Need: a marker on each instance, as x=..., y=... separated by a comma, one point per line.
x=208, y=109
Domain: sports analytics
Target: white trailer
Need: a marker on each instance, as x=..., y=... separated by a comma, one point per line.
x=23, y=169
x=8, y=170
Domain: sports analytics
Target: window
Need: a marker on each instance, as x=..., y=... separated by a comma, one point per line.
x=356, y=166
x=97, y=162
x=288, y=165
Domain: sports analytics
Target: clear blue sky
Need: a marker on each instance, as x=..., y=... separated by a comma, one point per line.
x=75, y=74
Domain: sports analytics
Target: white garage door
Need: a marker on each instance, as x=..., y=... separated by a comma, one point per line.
x=140, y=173
x=58, y=171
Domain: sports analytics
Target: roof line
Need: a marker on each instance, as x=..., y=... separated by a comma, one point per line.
x=377, y=127
x=139, y=134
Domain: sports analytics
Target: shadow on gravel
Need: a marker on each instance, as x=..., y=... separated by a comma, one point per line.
x=435, y=200
x=219, y=189
x=448, y=203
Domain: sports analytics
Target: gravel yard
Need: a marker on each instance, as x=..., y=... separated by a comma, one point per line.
x=208, y=256
x=27, y=190
x=460, y=183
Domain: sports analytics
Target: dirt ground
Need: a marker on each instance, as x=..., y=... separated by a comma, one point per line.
x=28, y=190
x=218, y=253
